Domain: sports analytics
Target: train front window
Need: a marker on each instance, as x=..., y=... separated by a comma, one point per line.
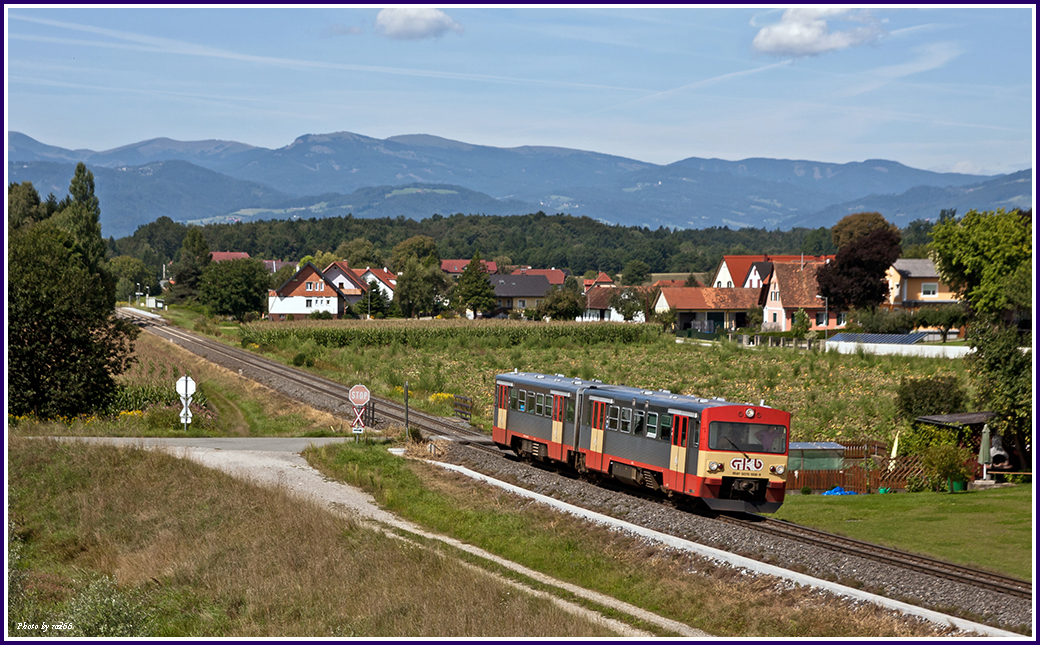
x=749, y=437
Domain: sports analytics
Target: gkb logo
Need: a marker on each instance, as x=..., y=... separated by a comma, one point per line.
x=746, y=464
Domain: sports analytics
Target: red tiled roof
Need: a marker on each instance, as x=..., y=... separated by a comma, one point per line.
x=220, y=256
x=740, y=265
x=555, y=276
x=355, y=276
x=458, y=266
x=711, y=298
x=598, y=297
x=797, y=284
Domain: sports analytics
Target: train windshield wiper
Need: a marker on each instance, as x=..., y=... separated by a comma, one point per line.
x=737, y=447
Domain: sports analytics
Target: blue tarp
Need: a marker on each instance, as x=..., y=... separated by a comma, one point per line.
x=838, y=490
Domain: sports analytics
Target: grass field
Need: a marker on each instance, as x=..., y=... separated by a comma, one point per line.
x=830, y=396
x=991, y=529
x=128, y=542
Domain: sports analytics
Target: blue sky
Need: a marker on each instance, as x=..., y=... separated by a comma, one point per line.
x=948, y=89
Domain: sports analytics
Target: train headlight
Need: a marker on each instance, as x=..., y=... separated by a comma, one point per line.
x=750, y=413
x=714, y=467
x=777, y=470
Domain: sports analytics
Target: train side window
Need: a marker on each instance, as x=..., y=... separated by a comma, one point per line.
x=666, y=427
x=570, y=410
x=651, y=425
x=626, y=420
x=587, y=413
x=523, y=401
x=612, y=418
x=530, y=402
x=639, y=423
x=695, y=432
x=539, y=405
x=512, y=398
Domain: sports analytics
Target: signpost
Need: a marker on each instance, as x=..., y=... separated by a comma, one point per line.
x=186, y=388
x=359, y=398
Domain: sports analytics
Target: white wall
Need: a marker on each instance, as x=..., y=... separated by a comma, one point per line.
x=940, y=351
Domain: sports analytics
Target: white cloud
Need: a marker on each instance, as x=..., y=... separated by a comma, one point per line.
x=804, y=32
x=415, y=23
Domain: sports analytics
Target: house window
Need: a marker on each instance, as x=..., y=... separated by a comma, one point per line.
x=821, y=319
x=729, y=283
x=929, y=289
x=719, y=284
x=310, y=287
x=340, y=285
x=774, y=316
x=841, y=318
x=521, y=304
x=309, y=301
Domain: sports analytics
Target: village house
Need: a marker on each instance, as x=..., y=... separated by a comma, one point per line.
x=598, y=306
x=306, y=292
x=347, y=281
x=601, y=280
x=386, y=280
x=792, y=287
x=736, y=270
x=519, y=291
x=915, y=283
x=709, y=309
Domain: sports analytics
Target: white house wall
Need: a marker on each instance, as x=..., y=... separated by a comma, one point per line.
x=297, y=305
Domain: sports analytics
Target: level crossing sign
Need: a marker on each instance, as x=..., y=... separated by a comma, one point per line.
x=359, y=398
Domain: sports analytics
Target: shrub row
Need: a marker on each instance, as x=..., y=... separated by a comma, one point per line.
x=500, y=334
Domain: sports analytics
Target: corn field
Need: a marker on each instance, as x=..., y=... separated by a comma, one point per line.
x=408, y=333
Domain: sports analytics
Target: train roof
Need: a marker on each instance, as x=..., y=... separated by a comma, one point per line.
x=662, y=398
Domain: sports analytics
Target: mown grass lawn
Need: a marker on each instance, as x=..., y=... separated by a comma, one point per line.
x=991, y=529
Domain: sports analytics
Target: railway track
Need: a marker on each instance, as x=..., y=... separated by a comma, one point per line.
x=903, y=559
x=391, y=411
x=335, y=394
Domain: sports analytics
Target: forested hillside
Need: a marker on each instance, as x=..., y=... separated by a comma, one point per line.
x=539, y=240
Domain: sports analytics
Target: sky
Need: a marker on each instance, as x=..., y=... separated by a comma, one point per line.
x=938, y=88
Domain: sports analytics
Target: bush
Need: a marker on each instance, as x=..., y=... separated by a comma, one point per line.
x=929, y=396
x=319, y=315
x=806, y=490
x=948, y=463
x=102, y=609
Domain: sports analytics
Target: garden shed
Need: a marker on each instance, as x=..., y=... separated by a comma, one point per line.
x=815, y=455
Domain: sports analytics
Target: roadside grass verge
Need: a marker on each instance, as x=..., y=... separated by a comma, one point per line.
x=192, y=552
x=718, y=600
x=986, y=529
x=235, y=406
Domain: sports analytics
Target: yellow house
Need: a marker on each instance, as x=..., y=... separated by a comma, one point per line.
x=915, y=283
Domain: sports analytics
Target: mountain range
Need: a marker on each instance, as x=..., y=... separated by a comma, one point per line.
x=416, y=176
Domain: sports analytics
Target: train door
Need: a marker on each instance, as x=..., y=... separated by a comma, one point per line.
x=676, y=475
x=498, y=429
x=594, y=458
x=559, y=404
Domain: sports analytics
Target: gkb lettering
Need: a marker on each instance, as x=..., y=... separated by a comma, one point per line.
x=746, y=464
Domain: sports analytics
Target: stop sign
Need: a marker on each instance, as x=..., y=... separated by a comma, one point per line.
x=359, y=395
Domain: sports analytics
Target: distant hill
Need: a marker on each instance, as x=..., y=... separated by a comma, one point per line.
x=320, y=175
x=133, y=196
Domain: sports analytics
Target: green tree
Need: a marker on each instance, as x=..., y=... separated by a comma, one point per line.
x=818, y=241
x=360, y=252
x=65, y=346
x=130, y=272
x=376, y=303
x=852, y=227
x=636, y=273
x=627, y=301
x=692, y=281
x=422, y=247
x=979, y=254
x=922, y=397
x=474, y=290
x=234, y=287
x=24, y=206
x=1003, y=379
x=194, y=258
x=562, y=304
x=420, y=287
x=856, y=278
x=942, y=317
